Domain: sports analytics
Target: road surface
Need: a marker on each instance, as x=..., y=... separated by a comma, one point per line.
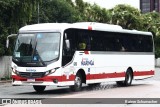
x=148, y=88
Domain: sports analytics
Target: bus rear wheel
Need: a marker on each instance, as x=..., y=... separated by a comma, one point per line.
x=128, y=79
x=77, y=83
x=39, y=89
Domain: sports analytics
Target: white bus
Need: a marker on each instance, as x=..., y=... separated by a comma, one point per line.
x=63, y=54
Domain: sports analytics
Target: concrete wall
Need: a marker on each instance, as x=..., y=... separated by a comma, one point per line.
x=157, y=62
x=5, y=66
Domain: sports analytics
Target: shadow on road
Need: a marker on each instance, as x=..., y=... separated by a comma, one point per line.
x=67, y=91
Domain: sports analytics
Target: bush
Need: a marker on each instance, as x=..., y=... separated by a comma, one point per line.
x=2, y=51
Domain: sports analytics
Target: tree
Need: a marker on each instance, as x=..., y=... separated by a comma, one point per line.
x=151, y=21
x=70, y=2
x=13, y=15
x=93, y=13
x=17, y=13
x=126, y=16
x=52, y=11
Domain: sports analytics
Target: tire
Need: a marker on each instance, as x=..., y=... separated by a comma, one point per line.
x=128, y=79
x=39, y=89
x=77, y=83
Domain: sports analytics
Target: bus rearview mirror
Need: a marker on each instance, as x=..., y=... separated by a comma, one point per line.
x=7, y=43
x=67, y=44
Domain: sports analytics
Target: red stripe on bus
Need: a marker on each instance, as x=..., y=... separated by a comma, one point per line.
x=47, y=78
x=86, y=52
x=89, y=27
x=143, y=73
x=117, y=75
x=105, y=75
x=88, y=76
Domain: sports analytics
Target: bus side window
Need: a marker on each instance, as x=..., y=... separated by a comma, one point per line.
x=83, y=41
x=82, y=45
x=69, y=44
x=66, y=50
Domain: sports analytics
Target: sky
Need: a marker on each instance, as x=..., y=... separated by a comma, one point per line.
x=108, y=4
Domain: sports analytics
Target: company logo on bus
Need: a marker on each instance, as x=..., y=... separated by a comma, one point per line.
x=87, y=62
x=30, y=70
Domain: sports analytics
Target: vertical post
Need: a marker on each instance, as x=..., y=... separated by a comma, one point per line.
x=158, y=5
x=38, y=12
x=152, y=5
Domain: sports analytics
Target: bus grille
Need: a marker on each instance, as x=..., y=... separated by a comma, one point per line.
x=32, y=74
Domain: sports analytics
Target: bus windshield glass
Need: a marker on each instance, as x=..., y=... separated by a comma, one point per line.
x=37, y=47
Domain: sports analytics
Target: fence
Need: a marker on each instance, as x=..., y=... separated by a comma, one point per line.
x=5, y=67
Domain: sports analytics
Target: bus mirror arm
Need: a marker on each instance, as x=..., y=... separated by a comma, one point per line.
x=67, y=44
x=7, y=41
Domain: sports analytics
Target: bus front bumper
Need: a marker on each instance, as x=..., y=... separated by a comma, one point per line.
x=47, y=80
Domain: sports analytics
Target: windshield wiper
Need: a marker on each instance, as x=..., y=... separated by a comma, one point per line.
x=40, y=59
x=36, y=53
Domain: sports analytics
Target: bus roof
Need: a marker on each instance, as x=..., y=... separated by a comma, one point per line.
x=58, y=27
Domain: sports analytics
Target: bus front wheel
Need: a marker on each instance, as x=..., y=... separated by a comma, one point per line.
x=39, y=89
x=77, y=83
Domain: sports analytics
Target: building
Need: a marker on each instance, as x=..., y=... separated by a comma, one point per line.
x=149, y=5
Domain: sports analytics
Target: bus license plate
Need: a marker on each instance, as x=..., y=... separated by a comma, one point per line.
x=30, y=80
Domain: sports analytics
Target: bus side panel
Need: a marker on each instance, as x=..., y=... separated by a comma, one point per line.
x=117, y=64
x=102, y=67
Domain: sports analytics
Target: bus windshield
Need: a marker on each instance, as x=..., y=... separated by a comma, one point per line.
x=37, y=47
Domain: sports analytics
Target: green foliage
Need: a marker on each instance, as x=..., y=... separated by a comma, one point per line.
x=17, y=13
x=126, y=16
x=96, y=14
x=151, y=23
x=1, y=50
x=13, y=15
x=52, y=11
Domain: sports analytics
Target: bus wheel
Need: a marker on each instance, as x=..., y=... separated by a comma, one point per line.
x=128, y=79
x=77, y=83
x=39, y=89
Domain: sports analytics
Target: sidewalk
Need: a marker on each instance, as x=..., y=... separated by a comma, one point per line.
x=5, y=81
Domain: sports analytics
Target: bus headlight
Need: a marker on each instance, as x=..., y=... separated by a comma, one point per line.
x=15, y=71
x=50, y=71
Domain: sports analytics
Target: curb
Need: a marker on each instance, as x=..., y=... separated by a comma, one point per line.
x=5, y=81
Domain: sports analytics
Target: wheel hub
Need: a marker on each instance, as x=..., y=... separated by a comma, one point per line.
x=129, y=78
x=77, y=81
